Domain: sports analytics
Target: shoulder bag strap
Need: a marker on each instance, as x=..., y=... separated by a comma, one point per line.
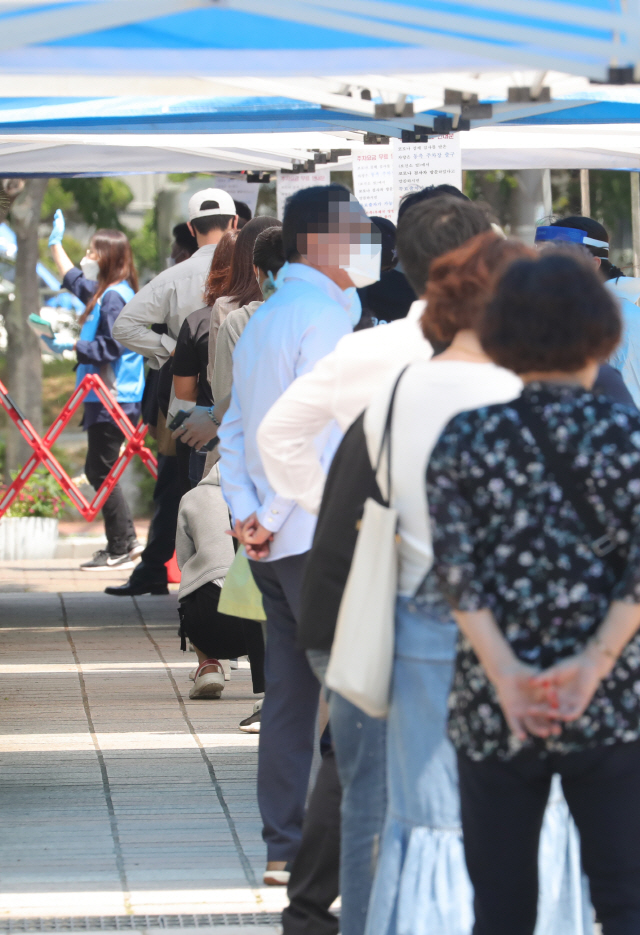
x=385, y=443
x=602, y=542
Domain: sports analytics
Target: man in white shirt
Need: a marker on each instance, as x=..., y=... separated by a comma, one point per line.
x=161, y=306
x=176, y=291
x=339, y=388
x=331, y=247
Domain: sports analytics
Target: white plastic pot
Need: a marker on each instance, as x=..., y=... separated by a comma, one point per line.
x=27, y=537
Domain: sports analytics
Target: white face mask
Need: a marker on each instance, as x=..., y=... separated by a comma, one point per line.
x=89, y=267
x=364, y=264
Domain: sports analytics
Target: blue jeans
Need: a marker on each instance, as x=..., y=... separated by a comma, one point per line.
x=360, y=747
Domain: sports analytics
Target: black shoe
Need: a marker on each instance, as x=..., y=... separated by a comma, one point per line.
x=103, y=560
x=136, y=588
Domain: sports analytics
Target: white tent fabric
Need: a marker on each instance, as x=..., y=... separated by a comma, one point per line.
x=165, y=37
x=579, y=147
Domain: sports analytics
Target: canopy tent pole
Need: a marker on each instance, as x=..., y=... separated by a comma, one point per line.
x=635, y=221
x=585, y=193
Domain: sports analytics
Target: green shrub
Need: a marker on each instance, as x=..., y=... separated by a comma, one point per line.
x=41, y=496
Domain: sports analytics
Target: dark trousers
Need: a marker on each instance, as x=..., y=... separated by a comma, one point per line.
x=502, y=806
x=161, y=543
x=220, y=636
x=315, y=877
x=289, y=710
x=105, y=439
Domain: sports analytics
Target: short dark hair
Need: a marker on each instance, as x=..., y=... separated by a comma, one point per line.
x=211, y=222
x=552, y=313
x=307, y=211
x=595, y=231
x=431, y=228
x=268, y=254
x=243, y=211
x=388, y=234
x=431, y=191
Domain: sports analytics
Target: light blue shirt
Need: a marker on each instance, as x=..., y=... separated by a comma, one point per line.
x=302, y=322
x=626, y=357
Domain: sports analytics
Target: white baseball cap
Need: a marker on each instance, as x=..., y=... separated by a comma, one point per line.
x=216, y=200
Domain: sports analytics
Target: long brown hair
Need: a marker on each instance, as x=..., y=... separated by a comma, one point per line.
x=242, y=285
x=115, y=262
x=462, y=282
x=218, y=275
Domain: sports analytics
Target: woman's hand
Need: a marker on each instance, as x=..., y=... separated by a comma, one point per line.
x=571, y=684
x=527, y=704
x=197, y=430
x=57, y=232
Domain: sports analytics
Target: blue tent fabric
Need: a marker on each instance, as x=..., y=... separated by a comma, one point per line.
x=318, y=36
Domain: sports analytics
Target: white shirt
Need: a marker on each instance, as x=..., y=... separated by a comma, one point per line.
x=302, y=322
x=429, y=395
x=167, y=299
x=339, y=388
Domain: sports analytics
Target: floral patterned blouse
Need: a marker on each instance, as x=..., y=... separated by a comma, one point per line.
x=506, y=538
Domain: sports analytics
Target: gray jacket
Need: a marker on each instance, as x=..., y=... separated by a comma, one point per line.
x=203, y=548
x=167, y=299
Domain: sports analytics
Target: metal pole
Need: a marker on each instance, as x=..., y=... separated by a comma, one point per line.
x=585, y=193
x=547, y=196
x=635, y=221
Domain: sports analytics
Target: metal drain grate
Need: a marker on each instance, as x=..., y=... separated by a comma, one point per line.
x=127, y=923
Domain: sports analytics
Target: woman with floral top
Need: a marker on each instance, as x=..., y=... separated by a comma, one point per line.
x=535, y=509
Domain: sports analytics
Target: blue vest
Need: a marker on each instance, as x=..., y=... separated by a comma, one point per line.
x=124, y=376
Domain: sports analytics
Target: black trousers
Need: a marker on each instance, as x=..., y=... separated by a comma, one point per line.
x=161, y=543
x=315, y=875
x=105, y=439
x=220, y=636
x=502, y=807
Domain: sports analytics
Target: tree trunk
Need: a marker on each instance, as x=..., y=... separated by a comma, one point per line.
x=9, y=191
x=24, y=360
x=527, y=205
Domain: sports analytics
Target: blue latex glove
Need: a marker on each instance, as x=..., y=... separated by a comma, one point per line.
x=57, y=345
x=57, y=232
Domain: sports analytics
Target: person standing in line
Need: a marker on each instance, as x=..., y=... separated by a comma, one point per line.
x=339, y=388
x=190, y=362
x=239, y=294
x=422, y=840
x=535, y=518
x=150, y=325
x=331, y=247
x=594, y=239
x=106, y=281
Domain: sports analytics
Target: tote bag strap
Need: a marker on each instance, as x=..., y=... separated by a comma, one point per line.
x=385, y=444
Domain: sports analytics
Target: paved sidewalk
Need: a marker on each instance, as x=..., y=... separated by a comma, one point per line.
x=120, y=796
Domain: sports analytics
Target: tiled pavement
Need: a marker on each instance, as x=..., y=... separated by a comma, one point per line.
x=119, y=795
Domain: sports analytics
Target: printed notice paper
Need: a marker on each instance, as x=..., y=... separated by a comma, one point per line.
x=416, y=165
x=290, y=183
x=373, y=181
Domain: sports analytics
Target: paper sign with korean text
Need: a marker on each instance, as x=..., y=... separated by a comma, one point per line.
x=373, y=181
x=288, y=184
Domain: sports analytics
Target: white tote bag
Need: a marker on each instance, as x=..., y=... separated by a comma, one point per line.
x=361, y=660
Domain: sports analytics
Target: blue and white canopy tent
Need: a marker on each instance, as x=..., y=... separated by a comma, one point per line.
x=240, y=37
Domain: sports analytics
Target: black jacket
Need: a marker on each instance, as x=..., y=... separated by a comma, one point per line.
x=351, y=480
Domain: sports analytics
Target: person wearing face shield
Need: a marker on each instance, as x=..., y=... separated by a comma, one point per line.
x=106, y=281
x=331, y=248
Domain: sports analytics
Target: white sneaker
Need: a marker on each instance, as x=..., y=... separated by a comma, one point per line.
x=208, y=681
x=226, y=665
x=280, y=877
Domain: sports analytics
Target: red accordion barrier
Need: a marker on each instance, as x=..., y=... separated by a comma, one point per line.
x=42, y=447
